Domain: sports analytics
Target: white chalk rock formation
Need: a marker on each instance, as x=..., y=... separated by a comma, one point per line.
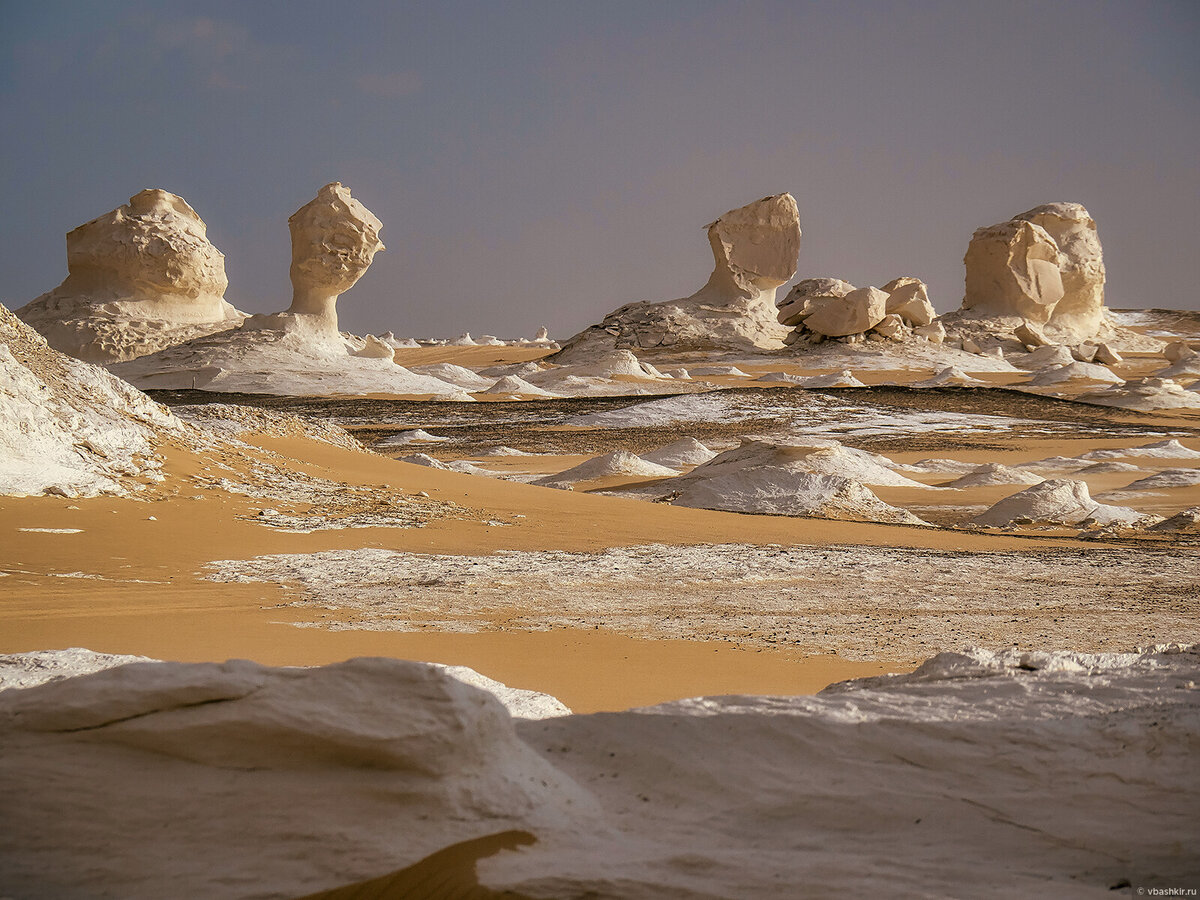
x=950, y=376
x=1012, y=270
x=140, y=278
x=807, y=294
x=1058, y=501
x=908, y=298
x=754, y=250
x=300, y=350
x=617, y=463
x=1065, y=373
x=1044, y=267
x=70, y=428
x=1080, y=265
x=995, y=473
x=776, y=491
x=934, y=332
x=517, y=386
x=858, y=312
x=334, y=240
x=1145, y=395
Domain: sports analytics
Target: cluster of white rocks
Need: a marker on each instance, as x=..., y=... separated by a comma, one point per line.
x=818, y=309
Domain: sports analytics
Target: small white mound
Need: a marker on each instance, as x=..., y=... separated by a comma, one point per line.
x=844, y=378
x=1055, y=464
x=1043, y=357
x=1168, y=478
x=819, y=458
x=951, y=375
x=521, y=370
x=619, y=462
x=463, y=340
x=503, y=451
x=610, y=365
x=415, y=436
x=1075, y=371
x=1169, y=449
x=772, y=490
x=683, y=452
x=995, y=473
x=457, y=397
x=1058, y=501
x=512, y=384
x=939, y=466
x=710, y=371
x=1145, y=395
x=1104, y=468
x=423, y=459
x=460, y=375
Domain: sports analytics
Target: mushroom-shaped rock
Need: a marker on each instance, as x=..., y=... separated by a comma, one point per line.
x=334, y=240
x=857, y=312
x=909, y=299
x=140, y=278
x=1013, y=270
x=1080, y=264
x=804, y=295
x=754, y=251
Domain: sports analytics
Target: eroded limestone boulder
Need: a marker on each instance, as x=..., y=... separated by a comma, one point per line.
x=908, y=298
x=141, y=277
x=334, y=240
x=1013, y=270
x=1080, y=264
x=858, y=312
x=805, y=295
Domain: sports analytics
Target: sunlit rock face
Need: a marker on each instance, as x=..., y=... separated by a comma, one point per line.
x=140, y=278
x=1080, y=263
x=1012, y=270
x=754, y=248
x=1045, y=266
x=334, y=240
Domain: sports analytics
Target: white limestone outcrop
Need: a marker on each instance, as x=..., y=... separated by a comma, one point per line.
x=141, y=277
x=1039, y=276
x=754, y=248
x=299, y=350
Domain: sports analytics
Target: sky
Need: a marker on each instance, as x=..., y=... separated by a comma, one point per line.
x=546, y=162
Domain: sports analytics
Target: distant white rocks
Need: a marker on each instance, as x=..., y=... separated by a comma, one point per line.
x=140, y=278
x=755, y=248
x=618, y=463
x=824, y=480
x=299, y=350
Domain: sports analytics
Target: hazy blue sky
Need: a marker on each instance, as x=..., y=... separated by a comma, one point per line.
x=546, y=162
